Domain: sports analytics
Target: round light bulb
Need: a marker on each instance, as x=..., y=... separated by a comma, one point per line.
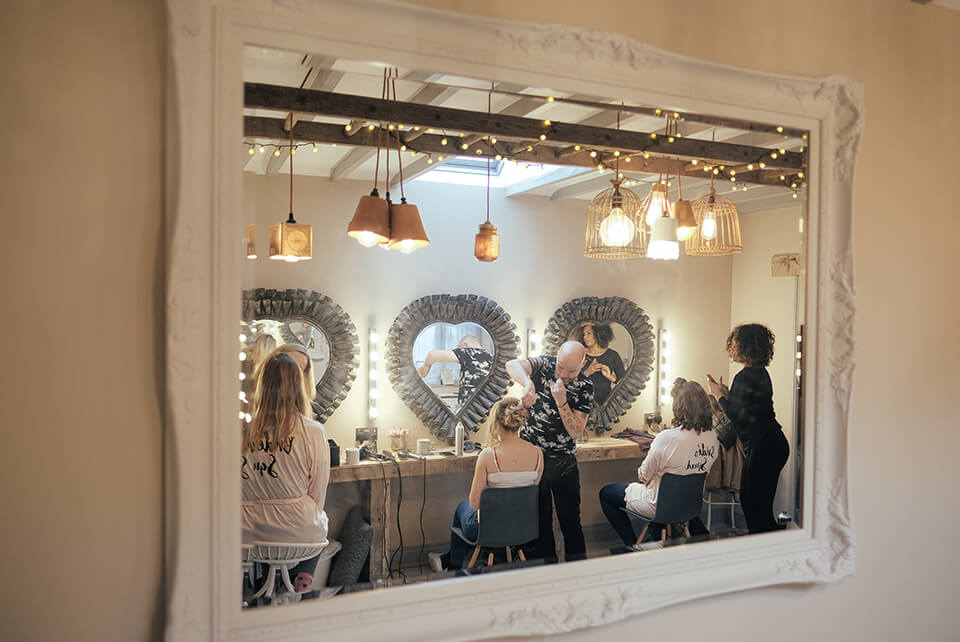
x=407, y=246
x=367, y=239
x=709, y=227
x=617, y=230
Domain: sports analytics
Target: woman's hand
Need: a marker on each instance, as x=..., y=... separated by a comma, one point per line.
x=593, y=367
x=423, y=370
x=717, y=389
x=607, y=373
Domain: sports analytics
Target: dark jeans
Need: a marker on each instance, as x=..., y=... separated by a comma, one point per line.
x=464, y=518
x=762, y=462
x=561, y=479
x=612, y=501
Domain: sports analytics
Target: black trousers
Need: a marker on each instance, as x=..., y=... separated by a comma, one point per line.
x=560, y=487
x=763, y=460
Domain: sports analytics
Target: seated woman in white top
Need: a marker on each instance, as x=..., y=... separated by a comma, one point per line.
x=689, y=448
x=285, y=466
x=510, y=462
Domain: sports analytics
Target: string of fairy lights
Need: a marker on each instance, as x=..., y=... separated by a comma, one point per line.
x=604, y=159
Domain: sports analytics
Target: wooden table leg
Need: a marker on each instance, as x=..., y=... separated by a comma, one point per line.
x=380, y=520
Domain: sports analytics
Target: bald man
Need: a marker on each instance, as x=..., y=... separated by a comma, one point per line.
x=559, y=398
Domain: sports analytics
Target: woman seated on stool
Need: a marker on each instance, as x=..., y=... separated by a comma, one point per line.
x=689, y=448
x=511, y=462
x=285, y=466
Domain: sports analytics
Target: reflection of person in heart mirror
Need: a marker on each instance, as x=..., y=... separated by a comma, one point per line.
x=474, y=360
x=603, y=366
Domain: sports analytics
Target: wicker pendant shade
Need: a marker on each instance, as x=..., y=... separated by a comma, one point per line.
x=615, y=229
x=718, y=227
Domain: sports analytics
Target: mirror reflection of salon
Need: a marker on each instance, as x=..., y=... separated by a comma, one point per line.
x=263, y=336
x=609, y=353
x=454, y=360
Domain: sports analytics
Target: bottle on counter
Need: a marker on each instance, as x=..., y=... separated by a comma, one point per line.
x=459, y=439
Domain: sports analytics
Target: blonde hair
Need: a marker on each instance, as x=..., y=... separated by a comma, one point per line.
x=509, y=416
x=260, y=350
x=309, y=385
x=279, y=406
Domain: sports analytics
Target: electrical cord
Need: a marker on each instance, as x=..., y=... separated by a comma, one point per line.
x=383, y=533
x=399, y=549
x=423, y=502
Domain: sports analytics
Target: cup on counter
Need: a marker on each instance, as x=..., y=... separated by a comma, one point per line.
x=353, y=455
x=423, y=446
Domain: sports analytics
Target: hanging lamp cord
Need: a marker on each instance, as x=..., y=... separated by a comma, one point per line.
x=393, y=82
x=291, y=219
x=489, y=111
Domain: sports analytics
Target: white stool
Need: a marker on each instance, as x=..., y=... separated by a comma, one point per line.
x=709, y=501
x=281, y=557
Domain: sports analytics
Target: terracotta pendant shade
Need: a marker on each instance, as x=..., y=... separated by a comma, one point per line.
x=486, y=247
x=290, y=241
x=663, y=240
x=718, y=227
x=406, y=228
x=615, y=229
x=370, y=224
x=686, y=220
x=251, y=241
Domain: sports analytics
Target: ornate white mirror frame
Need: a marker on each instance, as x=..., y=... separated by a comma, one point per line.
x=205, y=252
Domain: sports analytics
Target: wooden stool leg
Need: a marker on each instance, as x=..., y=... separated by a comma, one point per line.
x=509, y=555
x=490, y=559
x=520, y=554
x=643, y=533
x=473, y=558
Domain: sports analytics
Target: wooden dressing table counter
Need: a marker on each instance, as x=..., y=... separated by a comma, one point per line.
x=597, y=449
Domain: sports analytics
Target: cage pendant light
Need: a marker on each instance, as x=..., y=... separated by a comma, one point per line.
x=615, y=229
x=718, y=227
x=290, y=241
x=370, y=224
x=486, y=245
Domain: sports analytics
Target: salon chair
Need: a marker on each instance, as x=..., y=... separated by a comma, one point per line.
x=679, y=499
x=508, y=517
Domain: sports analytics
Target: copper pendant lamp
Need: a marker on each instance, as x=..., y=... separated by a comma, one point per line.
x=486, y=245
x=290, y=241
x=370, y=224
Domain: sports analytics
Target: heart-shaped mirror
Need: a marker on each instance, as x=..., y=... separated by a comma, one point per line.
x=446, y=358
x=620, y=351
x=314, y=321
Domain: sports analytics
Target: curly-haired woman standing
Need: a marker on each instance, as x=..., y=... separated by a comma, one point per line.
x=749, y=405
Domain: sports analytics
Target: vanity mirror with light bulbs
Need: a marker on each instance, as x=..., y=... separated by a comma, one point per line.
x=553, y=205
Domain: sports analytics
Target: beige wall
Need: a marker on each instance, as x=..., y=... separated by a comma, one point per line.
x=81, y=476
x=82, y=312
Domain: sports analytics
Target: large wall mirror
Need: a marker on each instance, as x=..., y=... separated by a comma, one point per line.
x=446, y=357
x=548, y=116
x=620, y=351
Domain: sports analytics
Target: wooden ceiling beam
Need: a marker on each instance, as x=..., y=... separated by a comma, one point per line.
x=328, y=133
x=258, y=95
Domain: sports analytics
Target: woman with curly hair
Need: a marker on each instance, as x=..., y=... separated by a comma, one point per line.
x=748, y=403
x=689, y=448
x=509, y=462
x=603, y=365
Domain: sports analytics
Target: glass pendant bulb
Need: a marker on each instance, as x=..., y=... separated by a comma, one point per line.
x=709, y=228
x=617, y=230
x=658, y=203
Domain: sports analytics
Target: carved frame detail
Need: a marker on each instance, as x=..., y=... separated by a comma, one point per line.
x=204, y=265
x=336, y=325
x=611, y=309
x=410, y=386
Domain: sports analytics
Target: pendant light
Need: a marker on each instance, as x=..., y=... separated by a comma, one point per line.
x=615, y=229
x=406, y=227
x=290, y=241
x=370, y=224
x=486, y=245
x=663, y=235
x=683, y=213
x=718, y=226
x=655, y=205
